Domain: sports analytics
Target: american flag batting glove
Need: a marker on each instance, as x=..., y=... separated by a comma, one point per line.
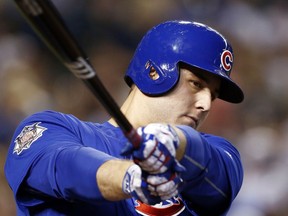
x=135, y=185
x=158, y=149
x=164, y=185
x=150, y=189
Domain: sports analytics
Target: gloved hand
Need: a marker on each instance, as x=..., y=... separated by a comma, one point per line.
x=158, y=149
x=150, y=189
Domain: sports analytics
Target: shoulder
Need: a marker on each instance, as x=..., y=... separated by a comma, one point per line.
x=219, y=141
x=207, y=142
x=56, y=121
x=214, y=138
x=51, y=116
x=46, y=129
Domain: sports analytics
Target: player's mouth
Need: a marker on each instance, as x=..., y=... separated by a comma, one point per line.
x=192, y=121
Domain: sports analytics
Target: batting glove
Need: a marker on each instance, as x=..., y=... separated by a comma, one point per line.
x=150, y=189
x=158, y=149
x=164, y=185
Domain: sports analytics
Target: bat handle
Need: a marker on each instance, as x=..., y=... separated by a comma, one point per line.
x=134, y=138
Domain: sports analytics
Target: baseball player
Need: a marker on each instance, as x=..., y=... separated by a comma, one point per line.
x=60, y=165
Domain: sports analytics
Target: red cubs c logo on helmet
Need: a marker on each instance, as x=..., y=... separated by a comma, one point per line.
x=227, y=60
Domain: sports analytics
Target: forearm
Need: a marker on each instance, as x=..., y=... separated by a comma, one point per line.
x=77, y=173
x=109, y=178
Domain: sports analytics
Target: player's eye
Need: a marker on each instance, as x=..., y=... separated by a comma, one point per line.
x=196, y=84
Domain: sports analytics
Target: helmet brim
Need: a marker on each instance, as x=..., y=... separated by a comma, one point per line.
x=230, y=91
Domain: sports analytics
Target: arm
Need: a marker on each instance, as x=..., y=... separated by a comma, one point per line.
x=57, y=164
x=114, y=170
x=213, y=171
x=82, y=173
x=69, y=173
x=62, y=167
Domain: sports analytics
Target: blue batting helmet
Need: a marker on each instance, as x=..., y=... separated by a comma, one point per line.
x=173, y=42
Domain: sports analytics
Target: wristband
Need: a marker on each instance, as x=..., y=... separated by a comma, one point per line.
x=131, y=179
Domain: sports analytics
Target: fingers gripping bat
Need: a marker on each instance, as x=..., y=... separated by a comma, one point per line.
x=47, y=22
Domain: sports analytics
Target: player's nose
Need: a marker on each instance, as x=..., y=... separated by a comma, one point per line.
x=204, y=100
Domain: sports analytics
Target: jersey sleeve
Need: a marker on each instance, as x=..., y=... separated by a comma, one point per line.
x=214, y=173
x=47, y=157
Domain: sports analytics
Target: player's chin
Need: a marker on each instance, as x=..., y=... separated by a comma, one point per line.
x=186, y=120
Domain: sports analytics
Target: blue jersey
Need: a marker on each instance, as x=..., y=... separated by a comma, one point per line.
x=53, y=159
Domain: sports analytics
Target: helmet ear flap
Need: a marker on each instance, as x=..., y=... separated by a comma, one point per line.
x=153, y=79
x=152, y=73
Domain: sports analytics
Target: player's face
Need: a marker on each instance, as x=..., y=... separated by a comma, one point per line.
x=189, y=102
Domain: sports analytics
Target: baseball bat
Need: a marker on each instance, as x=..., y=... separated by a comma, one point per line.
x=49, y=25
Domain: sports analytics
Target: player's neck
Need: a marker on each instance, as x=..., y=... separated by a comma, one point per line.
x=129, y=110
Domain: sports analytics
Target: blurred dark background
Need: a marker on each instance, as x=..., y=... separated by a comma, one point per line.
x=32, y=79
